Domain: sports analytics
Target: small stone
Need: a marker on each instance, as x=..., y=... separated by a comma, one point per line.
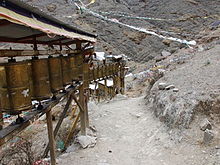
x=170, y=87
x=166, y=42
x=208, y=136
x=51, y=7
x=162, y=86
x=87, y=141
x=175, y=90
x=165, y=53
x=205, y=125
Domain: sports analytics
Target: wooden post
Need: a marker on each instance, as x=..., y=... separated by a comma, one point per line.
x=86, y=87
x=72, y=129
x=1, y=120
x=82, y=113
x=122, y=79
x=105, y=82
x=51, y=138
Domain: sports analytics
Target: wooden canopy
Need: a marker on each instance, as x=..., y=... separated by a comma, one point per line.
x=22, y=23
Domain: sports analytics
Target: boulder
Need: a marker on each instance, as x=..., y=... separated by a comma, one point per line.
x=208, y=136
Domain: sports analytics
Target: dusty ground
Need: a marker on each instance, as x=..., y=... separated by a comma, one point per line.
x=129, y=134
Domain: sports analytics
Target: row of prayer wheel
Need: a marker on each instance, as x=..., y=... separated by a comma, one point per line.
x=36, y=79
x=103, y=71
x=40, y=79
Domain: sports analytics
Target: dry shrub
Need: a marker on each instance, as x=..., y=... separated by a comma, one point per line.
x=18, y=153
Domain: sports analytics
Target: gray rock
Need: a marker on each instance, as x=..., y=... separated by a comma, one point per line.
x=162, y=86
x=208, y=136
x=165, y=53
x=175, y=90
x=205, y=125
x=51, y=7
x=170, y=87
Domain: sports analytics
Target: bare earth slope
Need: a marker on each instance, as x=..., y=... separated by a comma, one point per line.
x=129, y=134
x=195, y=15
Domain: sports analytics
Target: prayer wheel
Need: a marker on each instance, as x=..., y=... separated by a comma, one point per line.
x=15, y=87
x=99, y=72
x=79, y=63
x=76, y=64
x=55, y=74
x=66, y=70
x=86, y=74
x=40, y=78
x=73, y=67
x=95, y=73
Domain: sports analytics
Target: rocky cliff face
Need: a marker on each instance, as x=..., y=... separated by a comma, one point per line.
x=183, y=17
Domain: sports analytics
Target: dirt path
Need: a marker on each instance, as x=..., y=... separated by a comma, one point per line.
x=129, y=134
x=122, y=135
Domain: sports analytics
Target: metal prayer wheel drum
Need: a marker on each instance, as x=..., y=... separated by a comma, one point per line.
x=15, y=88
x=76, y=62
x=79, y=61
x=91, y=75
x=40, y=78
x=86, y=74
x=55, y=74
x=66, y=70
x=30, y=77
x=99, y=71
x=95, y=73
x=73, y=67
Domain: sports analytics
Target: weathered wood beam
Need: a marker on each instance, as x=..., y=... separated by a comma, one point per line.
x=32, y=36
x=14, y=53
x=31, y=41
x=51, y=138
x=4, y=22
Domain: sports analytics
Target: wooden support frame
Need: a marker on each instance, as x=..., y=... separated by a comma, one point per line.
x=62, y=116
x=82, y=113
x=51, y=138
x=10, y=131
x=72, y=129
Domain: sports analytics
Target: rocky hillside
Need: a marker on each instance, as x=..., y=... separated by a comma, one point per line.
x=185, y=18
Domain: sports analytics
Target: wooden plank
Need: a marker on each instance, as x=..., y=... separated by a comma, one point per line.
x=14, y=53
x=1, y=120
x=72, y=129
x=82, y=113
x=51, y=138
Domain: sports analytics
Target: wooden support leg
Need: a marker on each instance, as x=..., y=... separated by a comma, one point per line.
x=105, y=81
x=62, y=116
x=82, y=113
x=86, y=109
x=72, y=129
x=51, y=138
x=1, y=120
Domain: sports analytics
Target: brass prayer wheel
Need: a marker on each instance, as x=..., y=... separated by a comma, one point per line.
x=99, y=71
x=40, y=78
x=76, y=63
x=15, y=87
x=86, y=74
x=79, y=61
x=73, y=67
x=66, y=70
x=55, y=74
x=95, y=73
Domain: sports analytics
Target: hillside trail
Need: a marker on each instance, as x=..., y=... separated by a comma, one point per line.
x=128, y=134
